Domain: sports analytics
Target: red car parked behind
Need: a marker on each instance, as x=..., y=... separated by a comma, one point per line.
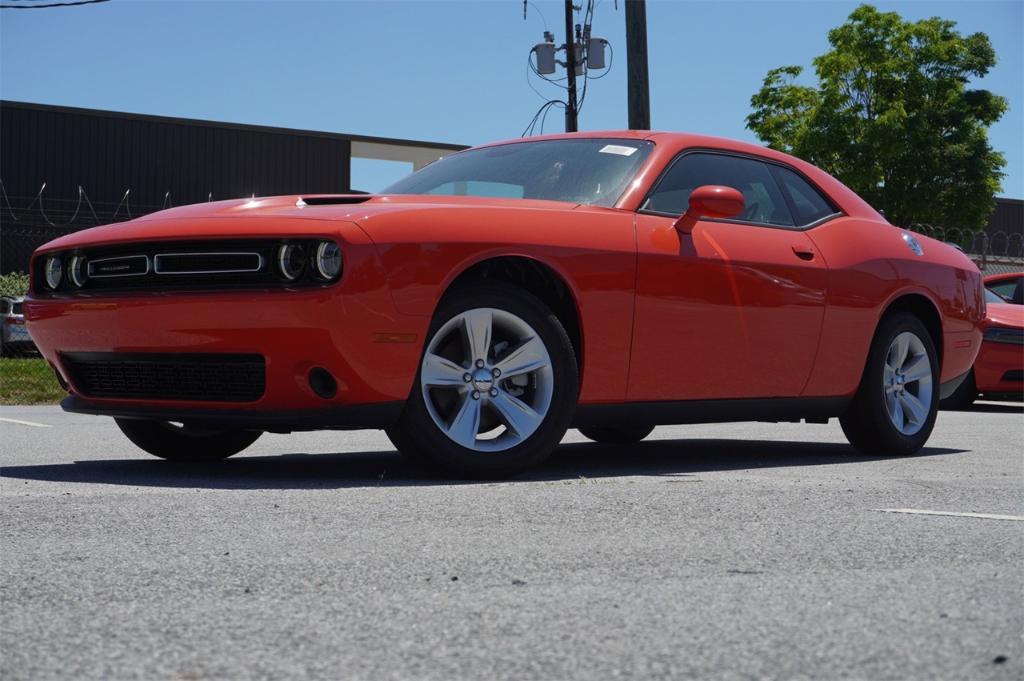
x=998, y=372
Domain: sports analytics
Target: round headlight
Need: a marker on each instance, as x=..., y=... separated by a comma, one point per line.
x=53, y=271
x=77, y=271
x=291, y=261
x=327, y=260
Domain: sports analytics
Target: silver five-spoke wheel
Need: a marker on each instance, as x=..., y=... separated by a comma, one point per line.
x=486, y=379
x=907, y=383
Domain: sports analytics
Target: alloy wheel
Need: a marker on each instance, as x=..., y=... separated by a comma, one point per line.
x=907, y=383
x=487, y=379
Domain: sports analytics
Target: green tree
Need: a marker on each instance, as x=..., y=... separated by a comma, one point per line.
x=13, y=285
x=893, y=118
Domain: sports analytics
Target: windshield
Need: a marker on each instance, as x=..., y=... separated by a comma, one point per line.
x=591, y=171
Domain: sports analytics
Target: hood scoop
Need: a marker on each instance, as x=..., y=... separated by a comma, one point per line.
x=339, y=200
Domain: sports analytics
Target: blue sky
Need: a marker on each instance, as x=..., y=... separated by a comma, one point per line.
x=443, y=71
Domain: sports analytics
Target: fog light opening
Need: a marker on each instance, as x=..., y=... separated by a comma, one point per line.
x=322, y=383
x=60, y=379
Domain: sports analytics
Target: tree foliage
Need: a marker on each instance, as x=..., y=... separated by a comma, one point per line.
x=893, y=117
x=13, y=285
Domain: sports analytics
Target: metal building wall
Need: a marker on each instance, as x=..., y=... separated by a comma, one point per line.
x=107, y=153
x=1008, y=217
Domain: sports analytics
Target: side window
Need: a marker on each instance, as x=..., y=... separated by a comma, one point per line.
x=808, y=203
x=764, y=202
x=1008, y=289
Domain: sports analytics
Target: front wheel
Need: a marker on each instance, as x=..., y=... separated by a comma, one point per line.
x=496, y=388
x=894, y=410
x=186, y=442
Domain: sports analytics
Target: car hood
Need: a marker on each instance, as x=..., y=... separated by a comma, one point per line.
x=268, y=216
x=1005, y=314
x=340, y=206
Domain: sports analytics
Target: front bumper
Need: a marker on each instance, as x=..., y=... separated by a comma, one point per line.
x=996, y=365
x=351, y=336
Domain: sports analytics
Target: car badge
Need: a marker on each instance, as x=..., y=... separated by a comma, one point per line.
x=912, y=243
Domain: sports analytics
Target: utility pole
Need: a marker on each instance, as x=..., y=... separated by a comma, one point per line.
x=570, y=68
x=584, y=52
x=636, y=66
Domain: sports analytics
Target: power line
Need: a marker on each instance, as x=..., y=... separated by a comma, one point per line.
x=537, y=117
x=52, y=4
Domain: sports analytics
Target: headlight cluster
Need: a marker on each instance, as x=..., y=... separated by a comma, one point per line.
x=57, y=267
x=1004, y=334
x=322, y=259
x=206, y=265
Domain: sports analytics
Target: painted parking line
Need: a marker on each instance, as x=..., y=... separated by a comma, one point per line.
x=26, y=423
x=916, y=511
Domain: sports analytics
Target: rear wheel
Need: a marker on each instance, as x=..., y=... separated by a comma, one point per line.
x=617, y=435
x=496, y=387
x=894, y=410
x=186, y=442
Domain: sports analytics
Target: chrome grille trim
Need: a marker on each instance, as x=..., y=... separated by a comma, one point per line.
x=210, y=254
x=93, y=263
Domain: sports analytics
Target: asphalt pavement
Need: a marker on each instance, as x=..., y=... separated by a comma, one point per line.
x=734, y=551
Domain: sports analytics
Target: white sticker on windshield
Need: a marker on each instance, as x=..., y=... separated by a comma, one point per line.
x=617, y=149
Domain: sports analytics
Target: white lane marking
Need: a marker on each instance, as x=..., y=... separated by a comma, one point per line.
x=26, y=423
x=987, y=516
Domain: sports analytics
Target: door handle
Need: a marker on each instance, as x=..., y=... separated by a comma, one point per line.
x=803, y=252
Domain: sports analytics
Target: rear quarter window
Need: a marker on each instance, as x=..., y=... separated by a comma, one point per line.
x=808, y=204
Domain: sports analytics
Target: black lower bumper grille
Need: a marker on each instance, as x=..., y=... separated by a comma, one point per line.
x=153, y=376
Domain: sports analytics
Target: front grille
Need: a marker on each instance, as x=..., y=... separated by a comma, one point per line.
x=157, y=376
x=207, y=263
x=121, y=266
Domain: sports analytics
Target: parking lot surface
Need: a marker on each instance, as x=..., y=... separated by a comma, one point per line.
x=725, y=551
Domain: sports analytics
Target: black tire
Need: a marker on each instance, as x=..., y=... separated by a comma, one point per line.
x=616, y=435
x=417, y=436
x=866, y=422
x=963, y=397
x=186, y=443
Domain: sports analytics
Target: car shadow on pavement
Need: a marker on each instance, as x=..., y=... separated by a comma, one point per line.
x=995, y=408
x=571, y=461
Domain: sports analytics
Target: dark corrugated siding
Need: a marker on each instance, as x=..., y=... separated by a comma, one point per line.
x=1008, y=217
x=107, y=155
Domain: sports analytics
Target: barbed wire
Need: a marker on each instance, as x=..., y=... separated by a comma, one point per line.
x=999, y=244
x=40, y=219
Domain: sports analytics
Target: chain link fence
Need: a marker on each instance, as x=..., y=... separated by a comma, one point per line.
x=27, y=222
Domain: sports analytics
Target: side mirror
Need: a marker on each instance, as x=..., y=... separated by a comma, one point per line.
x=710, y=201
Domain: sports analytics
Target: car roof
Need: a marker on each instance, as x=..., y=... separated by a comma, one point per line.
x=676, y=139
x=671, y=143
x=993, y=278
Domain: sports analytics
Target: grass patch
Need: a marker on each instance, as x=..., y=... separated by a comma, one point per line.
x=28, y=381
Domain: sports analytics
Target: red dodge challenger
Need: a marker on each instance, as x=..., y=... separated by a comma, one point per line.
x=998, y=372
x=478, y=308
